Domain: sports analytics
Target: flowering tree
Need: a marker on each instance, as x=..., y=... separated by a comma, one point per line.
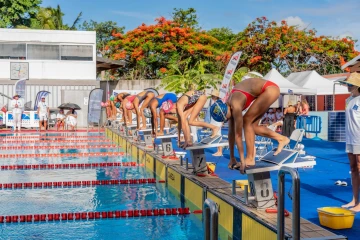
x=288, y=48
x=149, y=49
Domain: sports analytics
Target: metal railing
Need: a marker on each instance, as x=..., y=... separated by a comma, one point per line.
x=295, y=206
x=210, y=220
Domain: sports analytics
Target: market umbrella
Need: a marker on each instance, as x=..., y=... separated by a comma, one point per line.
x=69, y=106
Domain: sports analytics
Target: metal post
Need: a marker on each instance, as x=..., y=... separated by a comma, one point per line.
x=233, y=187
x=210, y=220
x=281, y=203
x=181, y=160
x=187, y=164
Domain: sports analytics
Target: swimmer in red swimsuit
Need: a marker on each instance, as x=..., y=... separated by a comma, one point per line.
x=260, y=94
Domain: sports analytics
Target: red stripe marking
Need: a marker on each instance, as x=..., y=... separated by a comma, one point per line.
x=74, y=183
x=58, y=147
x=33, y=155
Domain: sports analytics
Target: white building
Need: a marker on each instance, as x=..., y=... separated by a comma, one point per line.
x=61, y=62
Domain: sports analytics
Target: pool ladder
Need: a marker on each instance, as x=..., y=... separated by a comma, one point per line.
x=210, y=219
x=295, y=206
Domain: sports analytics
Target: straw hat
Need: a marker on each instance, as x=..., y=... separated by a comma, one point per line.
x=353, y=79
x=215, y=93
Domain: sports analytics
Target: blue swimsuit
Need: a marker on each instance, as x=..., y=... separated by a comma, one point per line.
x=166, y=97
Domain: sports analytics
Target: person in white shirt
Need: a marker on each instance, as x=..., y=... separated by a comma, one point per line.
x=271, y=117
x=352, y=133
x=71, y=119
x=60, y=119
x=17, y=105
x=279, y=115
x=43, y=112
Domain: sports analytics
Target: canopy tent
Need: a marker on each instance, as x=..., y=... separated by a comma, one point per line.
x=285, y=86
x=312, y=80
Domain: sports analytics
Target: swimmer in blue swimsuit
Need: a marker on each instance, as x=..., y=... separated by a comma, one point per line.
x=156, y=103
x=189, y=106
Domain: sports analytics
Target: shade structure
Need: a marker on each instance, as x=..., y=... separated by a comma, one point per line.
x=287, y=87
x=312, y=80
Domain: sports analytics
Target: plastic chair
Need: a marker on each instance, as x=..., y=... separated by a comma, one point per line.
x=297, y=136
x=263, y=144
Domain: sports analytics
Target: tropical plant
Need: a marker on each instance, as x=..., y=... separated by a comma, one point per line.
x=17, y=12
x=182, y=77
x=185, y=17
x=266, y=44
x=149, y=48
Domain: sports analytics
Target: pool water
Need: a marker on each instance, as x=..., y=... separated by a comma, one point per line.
x=88, y=199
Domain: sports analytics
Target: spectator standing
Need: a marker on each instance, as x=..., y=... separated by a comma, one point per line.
x=352, y=132
x=289, y=119
x=16, y=105
x=43, y=112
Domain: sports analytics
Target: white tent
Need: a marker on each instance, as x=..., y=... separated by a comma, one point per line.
x=287, y=87
x=312, y=80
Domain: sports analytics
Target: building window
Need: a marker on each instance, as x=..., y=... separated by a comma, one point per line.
x=328, y=102
x=43, y=52
x=311, y=102
x=77, y=52
x=13, y=51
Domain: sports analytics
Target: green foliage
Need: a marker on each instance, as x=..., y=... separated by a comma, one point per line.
x=185, y=17
x=181, y=77
x=104, y=32
x=17, y=12
x=224, y=35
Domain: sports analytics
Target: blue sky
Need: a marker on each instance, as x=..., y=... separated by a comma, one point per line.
x=328, y=17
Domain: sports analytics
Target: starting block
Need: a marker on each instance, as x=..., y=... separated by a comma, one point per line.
x=166, y=144
x=197, y=154
x=147, y=136
x=261, y=190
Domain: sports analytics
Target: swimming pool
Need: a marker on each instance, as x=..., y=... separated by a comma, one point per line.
x=84, y=198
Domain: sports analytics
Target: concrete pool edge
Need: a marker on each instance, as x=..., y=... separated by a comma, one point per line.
x=239, y=220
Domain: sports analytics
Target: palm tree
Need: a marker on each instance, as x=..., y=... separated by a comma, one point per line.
x=183, y=78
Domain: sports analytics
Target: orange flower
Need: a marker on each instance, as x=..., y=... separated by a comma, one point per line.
x=163, y=70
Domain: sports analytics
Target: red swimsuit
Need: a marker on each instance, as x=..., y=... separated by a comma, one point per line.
x=249, y=97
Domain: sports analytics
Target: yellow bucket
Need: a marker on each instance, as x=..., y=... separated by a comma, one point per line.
x=211, y=167
x=336, y=217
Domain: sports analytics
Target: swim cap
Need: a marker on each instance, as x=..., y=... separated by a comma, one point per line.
x=117, y=105
x=129, y=105
x=218, y=111
x=167, y=106
x=147, y=113
x=102, y=104
x=112, y=98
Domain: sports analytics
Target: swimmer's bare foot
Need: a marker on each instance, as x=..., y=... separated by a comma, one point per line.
x=215, y=131
x=349, y=205
x=356, y=208
x=217, y=154
x=282, y=143
x=142, y=128
x=249, y=161
x=232, y=163
x=186, y=144
x=160, y=134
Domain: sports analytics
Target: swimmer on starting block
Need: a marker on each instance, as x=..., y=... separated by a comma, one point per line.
x=260, y=94
x=190, y=104
x=144, y=99
x=166, y=103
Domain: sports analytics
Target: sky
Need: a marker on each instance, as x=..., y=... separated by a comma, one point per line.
x=329, y=17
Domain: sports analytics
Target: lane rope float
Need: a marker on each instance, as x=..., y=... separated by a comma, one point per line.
x=38, y=155
x=69, y=166
x=62, y=141
x=50, y=217
x=73, y=184
x=59, y=147
x=39, y=136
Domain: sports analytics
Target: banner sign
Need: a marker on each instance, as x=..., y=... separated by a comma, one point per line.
x=29, y=119
x=94, y=107
x=229, y=72
x=20, y=88
x=40, y=94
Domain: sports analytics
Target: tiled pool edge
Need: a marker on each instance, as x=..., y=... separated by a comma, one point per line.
x=240, y=222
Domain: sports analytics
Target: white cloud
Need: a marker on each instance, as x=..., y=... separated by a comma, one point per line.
x=296, y=21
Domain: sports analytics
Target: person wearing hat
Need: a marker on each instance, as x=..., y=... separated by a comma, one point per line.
x=17, y=105
x=214, y=97
x=352, y=133
x=255, y=95
x=43, y=112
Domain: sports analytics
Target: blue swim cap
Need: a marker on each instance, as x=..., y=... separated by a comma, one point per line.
x=218, y=111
